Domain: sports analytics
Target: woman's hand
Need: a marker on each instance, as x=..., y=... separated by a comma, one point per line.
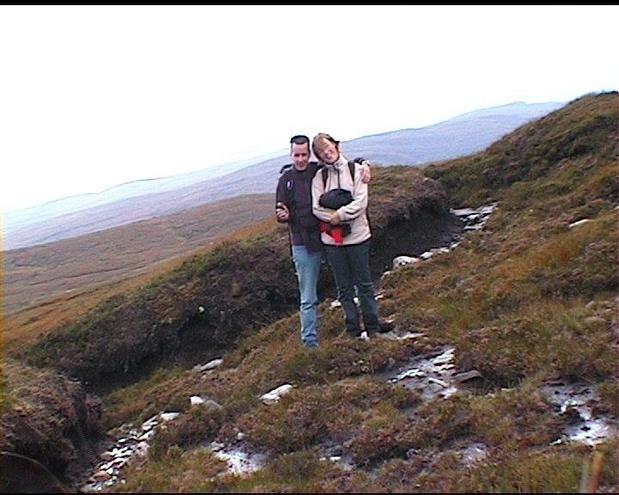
x=335, y=219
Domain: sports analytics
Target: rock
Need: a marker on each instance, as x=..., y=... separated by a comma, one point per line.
x=572, y=415
x=100, y=476
x=336, y=304
x=463, y=212
x=141, y=449
x=412, y=453
x=208, y=366
x=124, y=452
x=150, y=423
x=403, y=260
x=592, y=320
x=274, y=395
x=196, y=400
x=216, y=446
x=169, y=416
x=486, y=210
x=444, y=358
x=438, y=382
x=412, y=373
x=579, y=222
x=467, y=375
x=149, y=426
x=147, y=436
x=426, y=256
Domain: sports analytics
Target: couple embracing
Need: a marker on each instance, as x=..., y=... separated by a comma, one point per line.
x=325, y=206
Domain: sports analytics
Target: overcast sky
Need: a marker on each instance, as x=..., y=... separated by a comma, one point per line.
x=94, y=96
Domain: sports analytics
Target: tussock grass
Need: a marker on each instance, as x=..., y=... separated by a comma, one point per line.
x=175, y=471
x=557, y=470
x=525, y=299
x=316, y=414
x=197, y=426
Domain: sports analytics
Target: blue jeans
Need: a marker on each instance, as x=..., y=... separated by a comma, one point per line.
x=307, y=265
x=351, y=269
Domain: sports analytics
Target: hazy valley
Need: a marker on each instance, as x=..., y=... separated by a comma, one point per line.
x=141, y=200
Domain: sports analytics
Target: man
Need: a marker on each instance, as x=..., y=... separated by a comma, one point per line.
x=294, y=206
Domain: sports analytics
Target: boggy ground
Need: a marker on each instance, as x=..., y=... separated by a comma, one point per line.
x=527, y=301
x=205, y=305
x=50, y=429
x=202, y=308
x=394, y=440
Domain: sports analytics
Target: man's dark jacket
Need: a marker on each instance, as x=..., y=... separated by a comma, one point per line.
x=294, y=189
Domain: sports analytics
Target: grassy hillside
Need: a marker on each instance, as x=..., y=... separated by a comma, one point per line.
x=526, y=300
x=36, y=274
x=46, y=284
x=203, y=306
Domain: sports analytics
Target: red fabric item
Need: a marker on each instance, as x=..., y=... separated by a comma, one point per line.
x=333, y=231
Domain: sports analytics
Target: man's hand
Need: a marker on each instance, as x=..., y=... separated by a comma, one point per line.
x=282, y=213
x=335, y=218
x=366, y=174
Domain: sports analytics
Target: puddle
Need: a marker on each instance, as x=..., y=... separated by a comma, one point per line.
x=393, y=335
x=473, y=453
x=240, y=462
x=584, y=427
x=474, y=218
x=332, y=452
x=431, y=375
x=130, y=445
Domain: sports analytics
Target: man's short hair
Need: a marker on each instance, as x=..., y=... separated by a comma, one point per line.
x=299, y=139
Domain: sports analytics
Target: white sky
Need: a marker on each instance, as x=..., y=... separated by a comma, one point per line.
x=93, y=96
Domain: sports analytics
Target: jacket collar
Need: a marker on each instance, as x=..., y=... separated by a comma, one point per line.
x=339, y=163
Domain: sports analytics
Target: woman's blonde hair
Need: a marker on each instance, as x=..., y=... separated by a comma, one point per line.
x=321, y=137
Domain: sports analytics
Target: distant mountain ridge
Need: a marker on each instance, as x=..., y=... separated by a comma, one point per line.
x=17, y=219
x=140, y=200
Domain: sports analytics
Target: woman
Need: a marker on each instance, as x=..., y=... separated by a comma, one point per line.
x=345, y=234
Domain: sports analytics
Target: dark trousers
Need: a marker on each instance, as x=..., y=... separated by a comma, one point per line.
x=351, y=269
